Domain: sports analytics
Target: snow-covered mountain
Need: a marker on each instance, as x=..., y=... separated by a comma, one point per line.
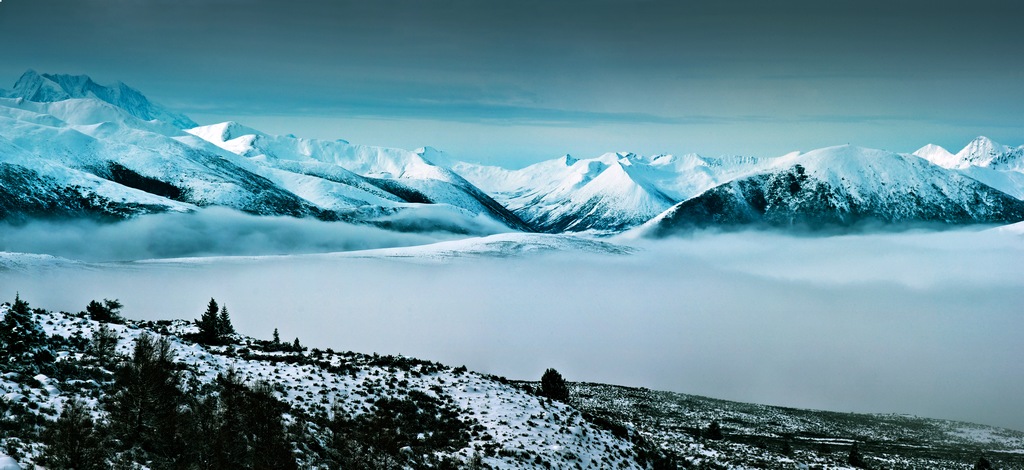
x=72, y=148
x=50, y=88
x=843, y=186
x=341, y=176
x=608, y=193
x=992, y=163
x=143, y=159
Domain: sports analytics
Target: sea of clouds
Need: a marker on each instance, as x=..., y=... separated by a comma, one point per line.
x=920, y=322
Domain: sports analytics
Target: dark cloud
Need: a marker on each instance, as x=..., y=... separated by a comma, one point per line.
x=538, y=62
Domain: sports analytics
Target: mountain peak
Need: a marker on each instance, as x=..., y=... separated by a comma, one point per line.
x=35, y=87
x=46, y=87
x=937, y=155
x=981, y=152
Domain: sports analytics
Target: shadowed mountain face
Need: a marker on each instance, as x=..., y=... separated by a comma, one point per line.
x=843, y=188
x=55, y=87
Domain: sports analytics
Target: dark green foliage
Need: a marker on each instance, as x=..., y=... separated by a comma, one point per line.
x=787, y=448
x=22, y=340
x=73, y=442
x=714, y=431
x=418, y=422
x=224, y=327
x=855, y=459
x=103, y=345
x=109, y=311
x=209, y=324
x=237, y=426
x=214, y=325
x=553, y=386
x=983, y=464
x=277, y=338
x=122, y=175
x=143, y=403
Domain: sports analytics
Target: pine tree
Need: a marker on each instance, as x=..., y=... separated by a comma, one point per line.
x=983, y=464
x=104, y=344
x=553, y=386
x=232, y=439
x=108, y=311
x=855, y=459
x=22, y=340
x=296, y=346
x=145, y=398
x=271, y=449
x=277, y=339
x=73, y=441
x=208, y=324
x=224, y=327
x=714, y=431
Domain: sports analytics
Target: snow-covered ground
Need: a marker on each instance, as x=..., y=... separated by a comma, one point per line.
x=522, y=429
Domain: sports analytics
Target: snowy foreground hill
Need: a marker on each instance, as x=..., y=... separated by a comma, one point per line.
x=72, y=148
x=69, y=389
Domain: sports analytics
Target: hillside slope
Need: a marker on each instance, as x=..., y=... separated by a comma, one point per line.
x=485, y=421
x=431, y=415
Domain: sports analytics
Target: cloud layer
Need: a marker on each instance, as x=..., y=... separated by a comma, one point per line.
x=208, y=232
x=922, y=323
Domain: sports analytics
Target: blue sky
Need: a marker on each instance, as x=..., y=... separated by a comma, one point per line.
x=516, y=82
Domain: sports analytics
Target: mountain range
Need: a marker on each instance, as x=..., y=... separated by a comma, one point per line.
x=72, y=148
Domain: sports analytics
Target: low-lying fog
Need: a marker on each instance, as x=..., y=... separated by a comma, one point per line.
x=923, y=323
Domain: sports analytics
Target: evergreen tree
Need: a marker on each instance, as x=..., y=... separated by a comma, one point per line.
x=109, y=311
x=855, y=459
x=208, y=324
x=714, y=431
x=553, y=386
x=72, y=442
x=277, y=338
x=296, y=346
x=104, y=344
x=983, y=464
x=22, y=340
x=224, y=327
x=231, y=437
x=144, y=401
x=270, y=445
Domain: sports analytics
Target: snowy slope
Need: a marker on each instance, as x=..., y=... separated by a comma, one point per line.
x=32, y=187
x=375, y=175
x=511, y=428
x=992, y=163
x=80, y=153
x=843, y=186
x=603, y=426
x=87, y=135
x=608, y=193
